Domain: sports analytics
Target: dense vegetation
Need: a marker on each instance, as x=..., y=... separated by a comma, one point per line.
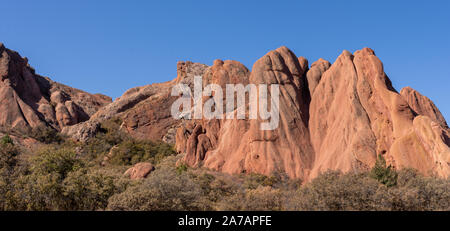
x=64, y=175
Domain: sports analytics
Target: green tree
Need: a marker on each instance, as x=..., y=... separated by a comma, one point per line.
x=41, y=188
x=130, y=152
x=383, y=173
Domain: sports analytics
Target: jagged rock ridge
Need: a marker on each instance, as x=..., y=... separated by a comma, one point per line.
x=336, y=116
x=353, y=115
x=29, y=100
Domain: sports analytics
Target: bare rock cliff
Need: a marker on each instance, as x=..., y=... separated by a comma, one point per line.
x=28, y=100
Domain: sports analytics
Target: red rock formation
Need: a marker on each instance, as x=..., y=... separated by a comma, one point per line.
x=145, y=111
x=356, y=114
x=139, y=171
x=199, y=136
x=422, y=105
x=237, y=146
x=28, y=100
x=315, y=73
x=338, y=116
x=340, y=128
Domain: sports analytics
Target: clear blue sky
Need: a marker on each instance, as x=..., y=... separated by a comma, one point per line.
x=111, y=46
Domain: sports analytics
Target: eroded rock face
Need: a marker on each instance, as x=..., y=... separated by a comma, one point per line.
x=423, y=148
x=29, y=100
x=315, y=73
x=240, y=146
x=340, y=128
x=145, y=111
x=197, y=137
x=356, y=115
x=422, y=105
x=151, y=118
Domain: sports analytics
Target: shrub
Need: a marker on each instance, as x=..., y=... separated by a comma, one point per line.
x=40, y=188
x=415, y=192
x=39, y=192
x=86, y=190
x=336, y=191
x=182, y=168
x=6, y=139
x=110, y=132
x=59, y=179
x=8, y=162
x=276, y=180
x=124, y=149
x=385, y=175
x=81, y=189
x=263, y=198
x=164, y=189
x=215, y=186
x=107, y=137
x=46, y=135
x=131, y=152
x=96, y=148
x=8, y=154
x=253, y=180
x=56, y=161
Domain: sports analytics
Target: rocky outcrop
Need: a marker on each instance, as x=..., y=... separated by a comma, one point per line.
x=315, y=73
x=422, y=105
x=139, y=171
x=339, y=126
x=240, y=146
x=196, y=137
x=144, y=111
x=338, y=117
x=29, y=100
x=356, y=115
x=425, y=147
